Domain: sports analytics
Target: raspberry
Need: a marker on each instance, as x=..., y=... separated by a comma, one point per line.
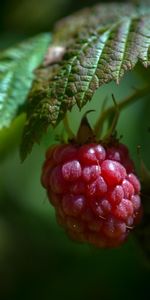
x=94, y=190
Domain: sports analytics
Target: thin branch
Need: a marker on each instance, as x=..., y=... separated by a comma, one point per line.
x=139, y=94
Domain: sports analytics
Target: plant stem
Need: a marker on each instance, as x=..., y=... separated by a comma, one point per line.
x=114, y=121
x=139, y=94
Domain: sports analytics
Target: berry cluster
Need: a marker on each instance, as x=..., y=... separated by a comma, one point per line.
x=94, y=191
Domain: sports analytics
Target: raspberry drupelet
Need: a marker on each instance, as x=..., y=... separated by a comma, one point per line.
x=94, y=190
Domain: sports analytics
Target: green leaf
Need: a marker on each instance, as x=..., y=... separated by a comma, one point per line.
x=101, y=47
x=16, y=74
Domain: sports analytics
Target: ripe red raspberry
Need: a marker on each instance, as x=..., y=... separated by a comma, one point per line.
x=94, y=190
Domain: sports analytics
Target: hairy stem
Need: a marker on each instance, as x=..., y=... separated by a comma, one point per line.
x=114, y=120
x=137, y=95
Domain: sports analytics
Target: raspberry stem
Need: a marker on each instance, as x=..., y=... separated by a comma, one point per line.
x=137, y=95
x=114, y=120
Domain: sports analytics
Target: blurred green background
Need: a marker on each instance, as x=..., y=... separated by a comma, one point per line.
x=37, y=260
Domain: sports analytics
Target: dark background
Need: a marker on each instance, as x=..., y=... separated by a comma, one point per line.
x=37, y=260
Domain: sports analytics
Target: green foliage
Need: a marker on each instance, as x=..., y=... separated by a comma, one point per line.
x=100, y=45
x=16, y=75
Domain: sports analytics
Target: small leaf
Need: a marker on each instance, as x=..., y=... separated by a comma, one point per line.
x=16, y=74
x=85, y=132
x=101, y=44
